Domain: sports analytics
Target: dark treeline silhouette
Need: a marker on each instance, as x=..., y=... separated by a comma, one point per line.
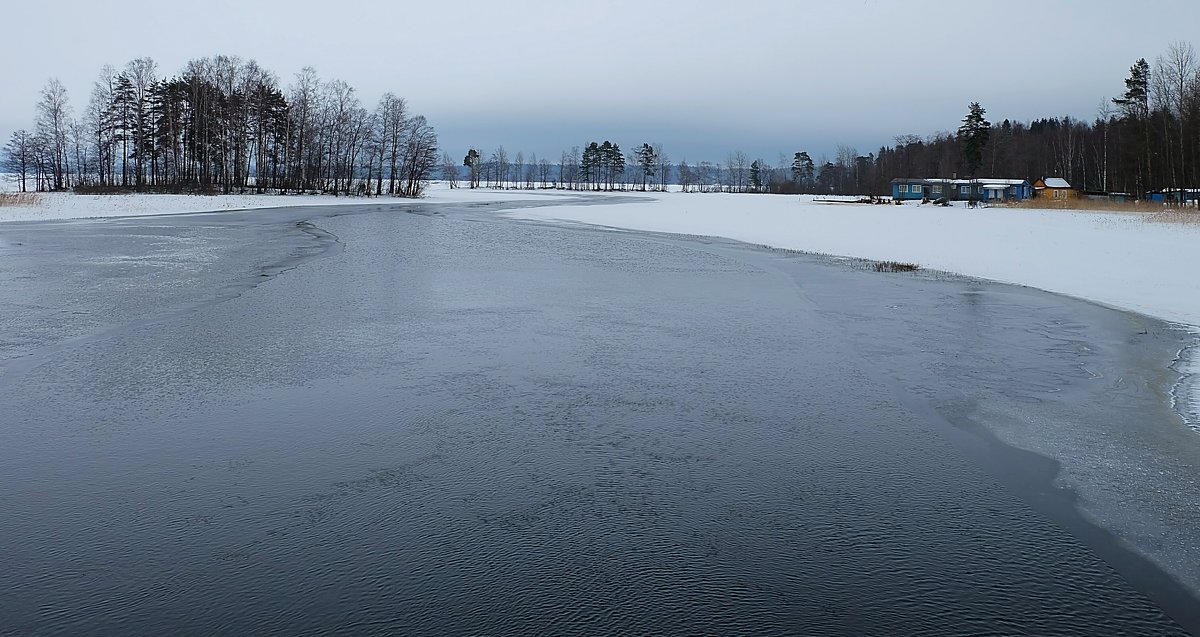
x=223, y=124
x=1146, y=139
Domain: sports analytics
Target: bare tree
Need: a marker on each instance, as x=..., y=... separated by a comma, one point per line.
x=391, y=116
x=500, y=162
x=420, y=156
x=53, y=124
x=736, y=165
x=662, y=166
x=531, y=171
x=1174, y=83
x=20, y=157
x=303, y=147
x=685, y=175
x=449, y=171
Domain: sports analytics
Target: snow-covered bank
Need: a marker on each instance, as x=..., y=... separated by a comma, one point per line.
x=1115, y=259
x=52, y=206
x=60, y=205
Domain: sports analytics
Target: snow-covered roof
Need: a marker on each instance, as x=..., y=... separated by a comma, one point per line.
x=1056, y=182
x=994, y=187
x=961, y=182
x=1006, y=182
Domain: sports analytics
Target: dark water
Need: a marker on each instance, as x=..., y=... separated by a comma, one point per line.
x=430, y=420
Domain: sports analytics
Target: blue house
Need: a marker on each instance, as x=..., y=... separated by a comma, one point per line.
x=961, y=189
x=919, y=189
x=1005, y=189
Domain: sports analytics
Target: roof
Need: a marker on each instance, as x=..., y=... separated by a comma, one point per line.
x=1006, y=182
x=1056, y=182
x=960, y=182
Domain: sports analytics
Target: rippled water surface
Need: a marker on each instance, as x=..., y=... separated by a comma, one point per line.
x=435, y=421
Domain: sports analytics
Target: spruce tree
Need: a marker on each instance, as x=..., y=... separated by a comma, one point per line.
x=973, y=135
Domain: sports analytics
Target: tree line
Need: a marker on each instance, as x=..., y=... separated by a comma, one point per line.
x=1145, y=139
x=603, y=166
x=222, y=124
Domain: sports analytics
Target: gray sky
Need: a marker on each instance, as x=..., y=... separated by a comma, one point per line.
x=702, y=78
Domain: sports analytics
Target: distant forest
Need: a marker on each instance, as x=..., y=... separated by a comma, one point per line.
x=223, y=124
x=1145, y=139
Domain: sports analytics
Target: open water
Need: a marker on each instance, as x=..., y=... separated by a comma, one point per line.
x=429, y=419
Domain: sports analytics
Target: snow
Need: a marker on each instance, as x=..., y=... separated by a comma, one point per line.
x=1056, y=182
x=61, y=205
x=1120, y=260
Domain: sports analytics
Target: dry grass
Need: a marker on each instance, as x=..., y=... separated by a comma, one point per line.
x=1149, y=211
x=18, y=199
x=1091, y=205
x=895, y=266
x=1174, y=215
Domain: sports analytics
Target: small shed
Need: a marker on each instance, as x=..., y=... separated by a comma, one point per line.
x=1005, y=189
x=1054, y=188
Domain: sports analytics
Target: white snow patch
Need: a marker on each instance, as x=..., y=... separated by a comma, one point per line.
x=62, y=205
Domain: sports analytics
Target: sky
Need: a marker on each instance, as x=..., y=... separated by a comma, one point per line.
x=702, y=78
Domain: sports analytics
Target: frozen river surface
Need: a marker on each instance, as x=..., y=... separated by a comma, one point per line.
x=431, y=420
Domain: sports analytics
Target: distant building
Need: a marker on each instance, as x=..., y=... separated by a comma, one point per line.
x=1175, y=195
x=1054, y=188
x=961, y=189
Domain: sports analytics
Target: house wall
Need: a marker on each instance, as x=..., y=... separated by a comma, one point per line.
x=908, y=193
x=937, y=189
x=1057, y=194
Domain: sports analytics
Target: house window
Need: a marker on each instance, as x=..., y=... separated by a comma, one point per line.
x=903, y=187
x=937, y=190
x=966, y=190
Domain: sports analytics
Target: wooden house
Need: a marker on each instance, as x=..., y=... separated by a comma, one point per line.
x=1054, y=189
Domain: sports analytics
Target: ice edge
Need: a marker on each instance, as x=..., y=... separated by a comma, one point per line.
x=1185, y=395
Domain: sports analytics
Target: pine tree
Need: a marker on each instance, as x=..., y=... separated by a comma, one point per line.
x=803, y=170
x=646, y=160
x=973, y=135
x=472, y=162
x=1135, y=107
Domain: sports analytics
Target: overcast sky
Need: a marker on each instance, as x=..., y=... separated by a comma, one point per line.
x=701, y=77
